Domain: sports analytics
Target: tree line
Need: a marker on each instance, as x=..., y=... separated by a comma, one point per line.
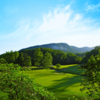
x=41, y=56
x=58, y=56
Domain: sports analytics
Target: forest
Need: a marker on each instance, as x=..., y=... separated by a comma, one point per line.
x=31, y=55
x=18, y=86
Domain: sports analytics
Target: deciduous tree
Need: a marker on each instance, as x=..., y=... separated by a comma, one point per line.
x=27, y=61
x=38, y=56
x=47, y=60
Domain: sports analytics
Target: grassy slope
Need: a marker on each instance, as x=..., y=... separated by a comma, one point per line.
x=64, y=83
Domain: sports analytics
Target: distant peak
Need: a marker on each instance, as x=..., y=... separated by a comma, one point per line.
x=61, y=46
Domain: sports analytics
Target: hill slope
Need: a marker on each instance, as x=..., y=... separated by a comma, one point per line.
x=61, y=46
x=93, y=52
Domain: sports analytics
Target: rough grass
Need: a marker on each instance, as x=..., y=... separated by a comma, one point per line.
x=64, y=82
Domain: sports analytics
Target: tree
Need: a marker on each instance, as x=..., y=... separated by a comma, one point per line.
x=27, y=61
x=21, y=59
x=10, y=57
x=16, y=54
x=92, y=80
x=2, y=61
x=47, y=60
x=38, y=56
x=20, y=87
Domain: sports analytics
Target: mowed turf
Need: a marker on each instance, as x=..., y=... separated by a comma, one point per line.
x=64, y=82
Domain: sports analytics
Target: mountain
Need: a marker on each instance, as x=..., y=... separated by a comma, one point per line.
x=63, y=47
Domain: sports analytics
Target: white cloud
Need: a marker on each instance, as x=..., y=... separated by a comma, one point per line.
x=56, y=19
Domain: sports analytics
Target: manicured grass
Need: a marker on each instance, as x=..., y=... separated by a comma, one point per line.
x=72, y=69
x=64, y=84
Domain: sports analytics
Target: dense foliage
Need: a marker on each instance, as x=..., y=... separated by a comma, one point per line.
x=10, y=57
x=27, y=61
x=80, y=54
x=92, y=80
x=93, y=52
x=58, y=56
x=35, y=57
x=47, y=60
x=38, y=57
x=2, y=61
x=21, y=87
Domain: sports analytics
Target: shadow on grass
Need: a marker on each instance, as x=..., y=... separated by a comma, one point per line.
x=62, y=84
x=38, y=68
x=71, y=70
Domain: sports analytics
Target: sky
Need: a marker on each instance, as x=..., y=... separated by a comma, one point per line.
x=25, y=23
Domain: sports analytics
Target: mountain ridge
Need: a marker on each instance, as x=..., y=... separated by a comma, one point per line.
x=63, y=47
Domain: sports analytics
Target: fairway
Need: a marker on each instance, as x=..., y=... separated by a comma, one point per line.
x=65, y=83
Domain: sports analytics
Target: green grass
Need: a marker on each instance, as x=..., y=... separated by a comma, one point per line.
x=72, y=69
x=57, y=82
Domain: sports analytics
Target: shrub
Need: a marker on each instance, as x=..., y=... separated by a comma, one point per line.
x=58, y=66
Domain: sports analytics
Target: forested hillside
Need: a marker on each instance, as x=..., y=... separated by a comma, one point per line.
x=93, y=52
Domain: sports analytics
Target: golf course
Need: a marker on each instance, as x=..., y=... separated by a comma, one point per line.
x=65, y=82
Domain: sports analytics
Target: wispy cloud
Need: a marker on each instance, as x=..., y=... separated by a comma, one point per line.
x=56, y=19
x=64, y=25
x=92, y=8
x=58, y=25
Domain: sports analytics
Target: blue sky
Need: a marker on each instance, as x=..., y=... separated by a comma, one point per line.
x=25, y=23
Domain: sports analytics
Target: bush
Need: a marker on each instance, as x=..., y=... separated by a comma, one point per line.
x=21, y=87
x=58, y=66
